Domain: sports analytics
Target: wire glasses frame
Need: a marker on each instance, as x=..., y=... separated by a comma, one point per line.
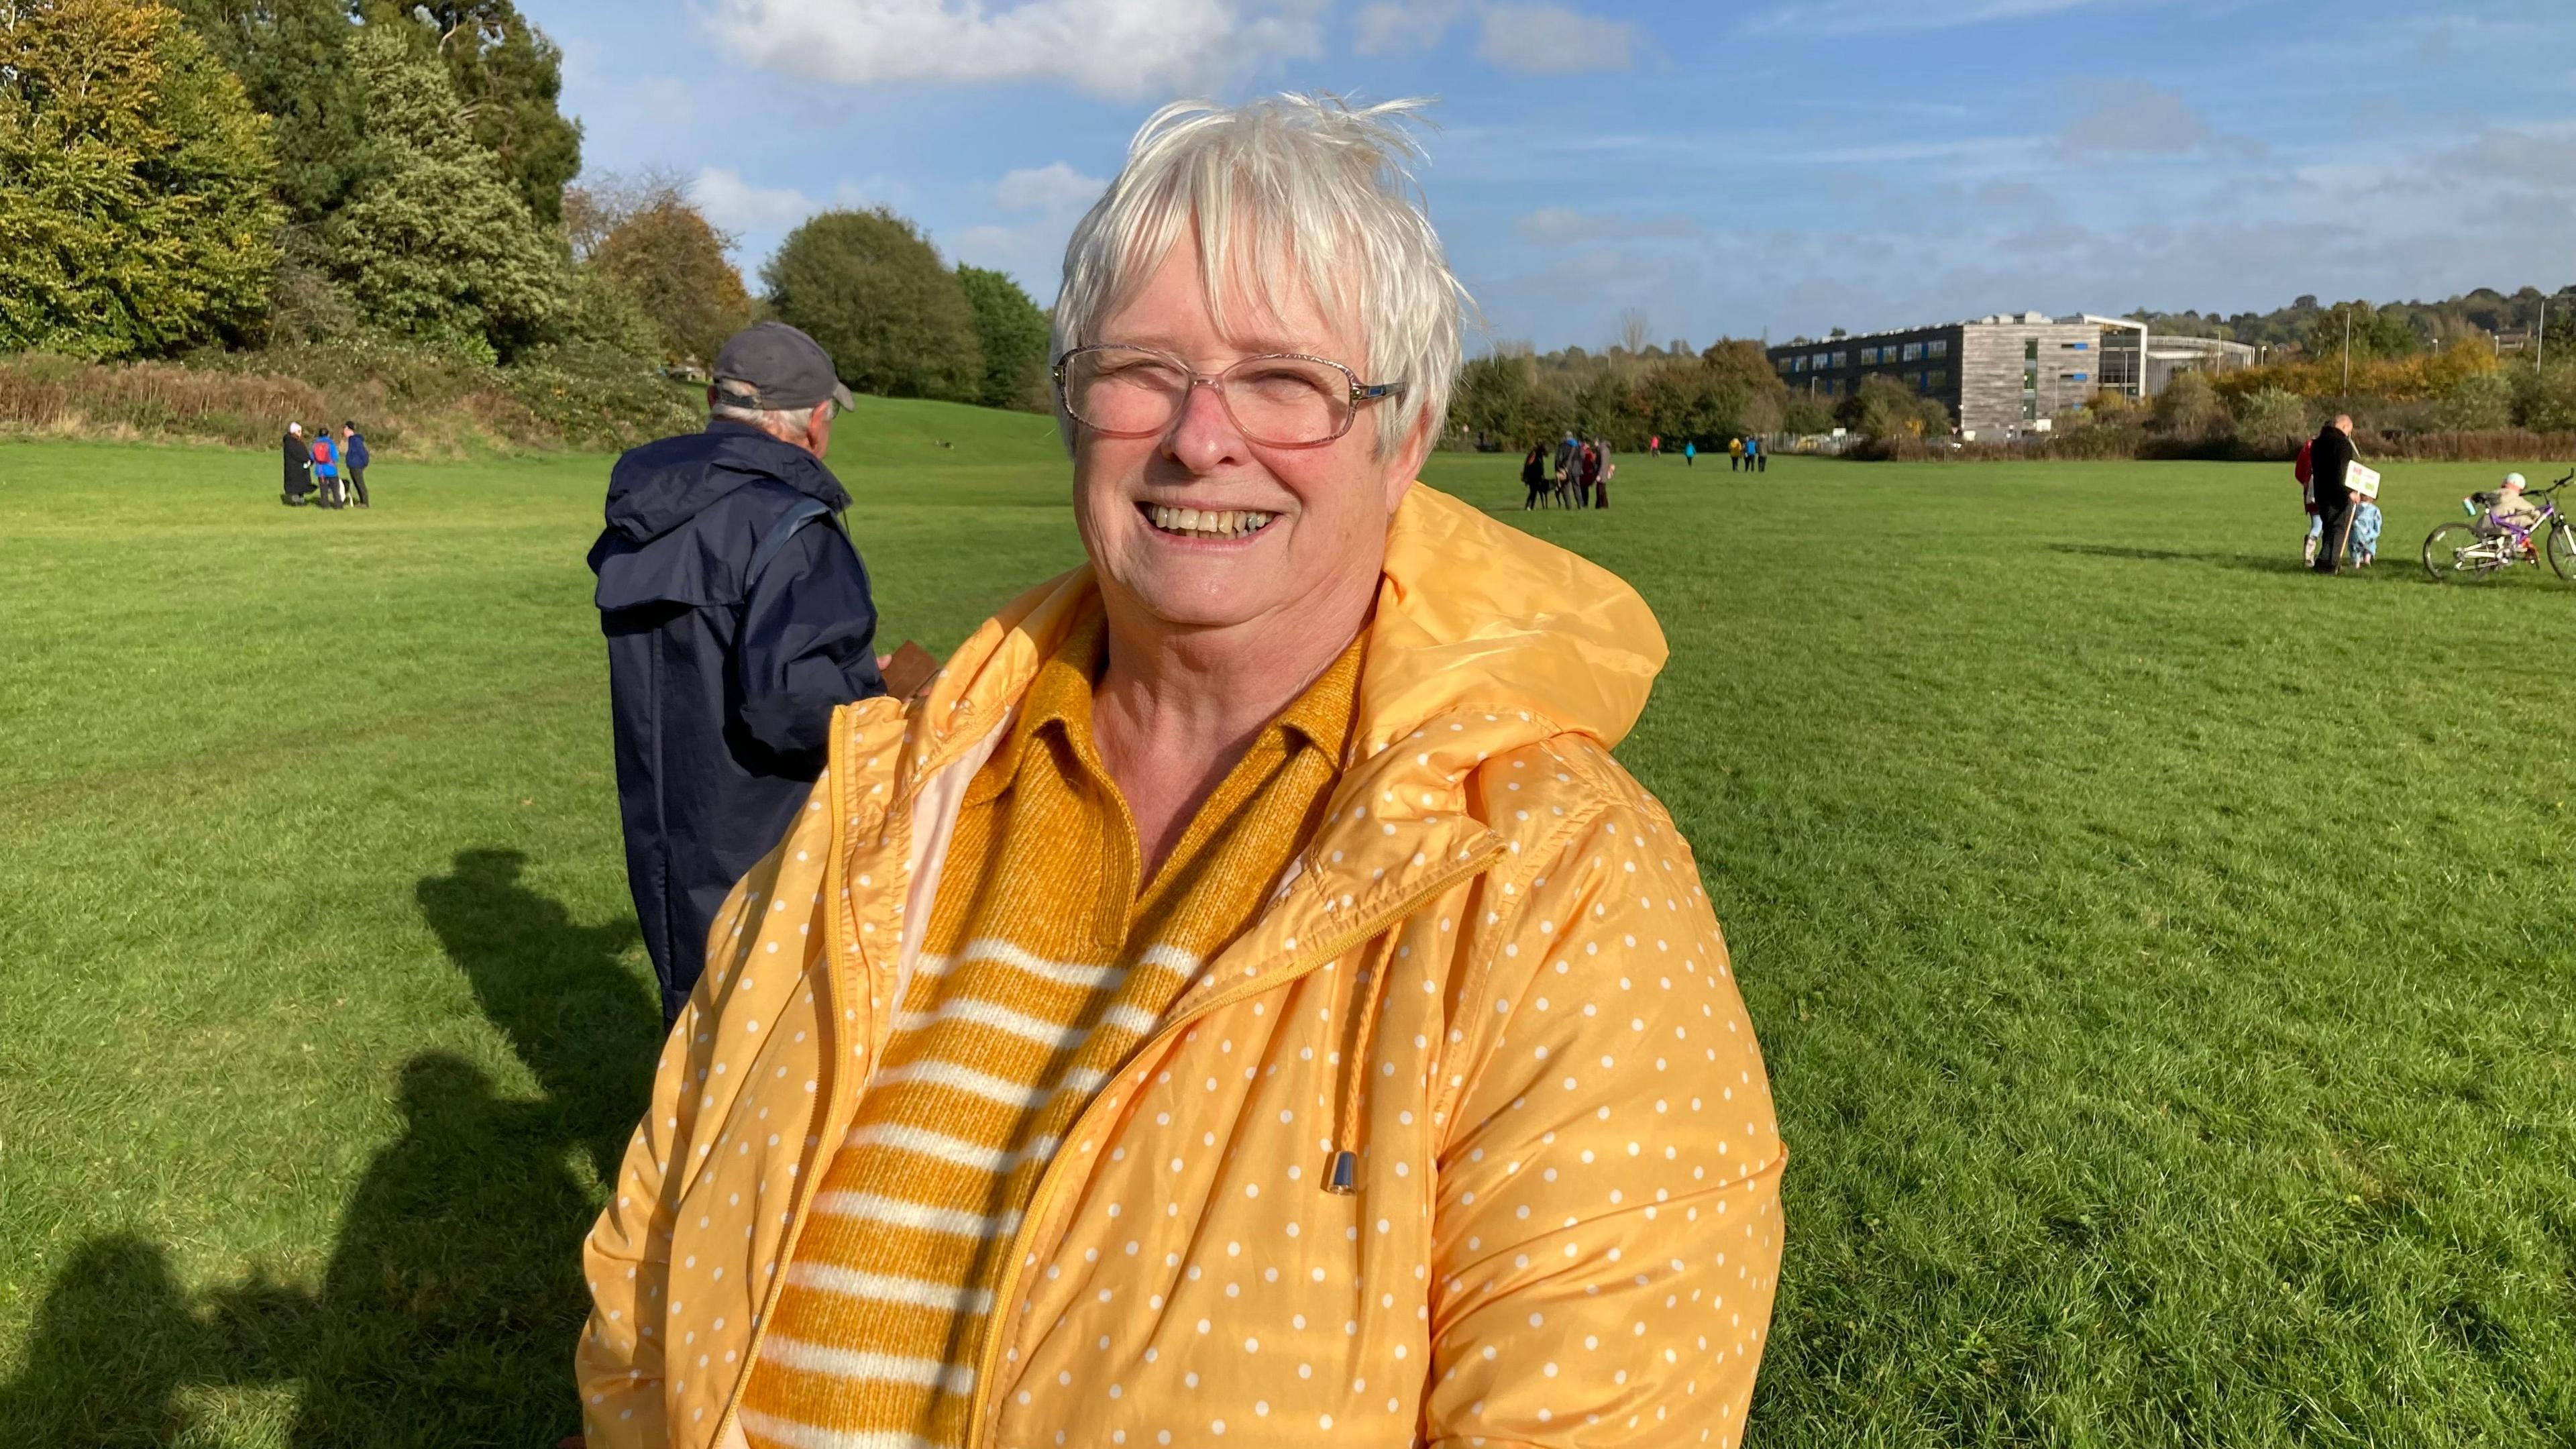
x=1342, y=403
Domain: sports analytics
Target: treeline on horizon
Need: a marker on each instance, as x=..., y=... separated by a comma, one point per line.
x=2423, y=377
x=221, y=214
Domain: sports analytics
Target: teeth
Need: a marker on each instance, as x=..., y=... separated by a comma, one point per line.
x=1209, y=522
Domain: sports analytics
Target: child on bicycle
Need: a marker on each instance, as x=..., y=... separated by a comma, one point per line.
x=2505, y=509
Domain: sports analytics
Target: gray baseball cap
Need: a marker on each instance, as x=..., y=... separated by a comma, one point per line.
x=772, y=365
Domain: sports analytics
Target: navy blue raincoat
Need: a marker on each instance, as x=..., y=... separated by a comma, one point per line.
x=722, y=676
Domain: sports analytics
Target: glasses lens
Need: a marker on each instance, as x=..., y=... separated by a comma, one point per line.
x=1124, y=390
x=1288, y=400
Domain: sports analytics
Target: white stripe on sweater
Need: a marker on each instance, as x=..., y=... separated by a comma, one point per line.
x=886, y=1288
x=925, y=1143
x=859, y=1363
x=955, y=1222
x=1053, y=1035
x=940, y=1072
x=797, y=1435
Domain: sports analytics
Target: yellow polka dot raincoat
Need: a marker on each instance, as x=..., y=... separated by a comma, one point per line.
x=1489, y=994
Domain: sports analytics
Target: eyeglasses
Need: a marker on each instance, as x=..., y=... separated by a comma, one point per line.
x=1279, y=399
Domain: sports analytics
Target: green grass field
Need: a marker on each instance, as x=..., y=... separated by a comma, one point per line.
x=2163, y=956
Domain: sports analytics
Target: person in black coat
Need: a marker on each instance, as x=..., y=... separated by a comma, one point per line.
x=2329, y=458
x=738, y=616
x=1534, y=476
x=299, y=467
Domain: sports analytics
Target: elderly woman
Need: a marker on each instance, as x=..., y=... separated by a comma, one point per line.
x=1240, y=996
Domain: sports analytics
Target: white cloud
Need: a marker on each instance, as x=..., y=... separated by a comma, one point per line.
x=759, y=217
x=1544, y=39
x=1053, y=187
x=1120, y=49
x=1527, y=37
x=1390, y=27
x=739, y=206
x=1862, y=17
x=2132, y=117
x=1554, y=225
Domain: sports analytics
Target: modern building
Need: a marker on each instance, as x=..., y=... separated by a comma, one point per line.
x=1998, y=376
x=2166, y=355
x=2007, y=374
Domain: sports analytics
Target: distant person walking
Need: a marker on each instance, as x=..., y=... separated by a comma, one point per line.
x=738, y=616
x=1690, y=452
x=353, y=460
x=1755, y=460
x=1734, y=454
x=1654, y=445
x=299, y=468
x=1534, y=476
x=1602, y=469
x=2330, y=457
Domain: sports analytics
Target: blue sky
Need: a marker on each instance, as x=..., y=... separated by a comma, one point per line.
x=1770, y=167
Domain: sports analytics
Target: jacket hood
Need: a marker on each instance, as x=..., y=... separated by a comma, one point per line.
x=662, y=485
x=1472, y=615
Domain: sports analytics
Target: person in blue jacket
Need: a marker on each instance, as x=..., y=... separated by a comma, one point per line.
x=353, y=460
x=738, y=616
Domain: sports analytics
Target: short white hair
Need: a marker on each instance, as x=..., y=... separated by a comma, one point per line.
x=1300, y=186
x=768, y=420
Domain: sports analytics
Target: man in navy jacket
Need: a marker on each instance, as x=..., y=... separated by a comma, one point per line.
x=738, y=616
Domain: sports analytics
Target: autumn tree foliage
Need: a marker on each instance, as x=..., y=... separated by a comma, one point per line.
x=135, y=215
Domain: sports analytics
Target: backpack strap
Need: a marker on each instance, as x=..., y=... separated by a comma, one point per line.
x=789, y=524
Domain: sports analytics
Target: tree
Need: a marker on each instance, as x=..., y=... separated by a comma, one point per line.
x=437, y=245
x=510, y=77
x=656, y=246
x=292, y=57
x=1806, y=414
x=1884, y=409
x=2375, y=333
x=135, y=218
x=1634, y=329
x=2189, y=409
x=1012, y=334
x=2275, y=418
x=873, y=292
x=1492, y=399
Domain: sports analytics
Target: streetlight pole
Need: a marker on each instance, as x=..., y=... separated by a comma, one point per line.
x=2347, y=357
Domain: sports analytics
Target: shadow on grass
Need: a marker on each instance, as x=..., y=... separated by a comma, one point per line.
x=2250, y=562
x=454, y=1293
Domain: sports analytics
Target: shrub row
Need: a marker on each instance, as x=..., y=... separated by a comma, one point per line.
x=412, y=401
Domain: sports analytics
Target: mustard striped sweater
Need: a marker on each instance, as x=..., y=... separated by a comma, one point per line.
x=1045, y=965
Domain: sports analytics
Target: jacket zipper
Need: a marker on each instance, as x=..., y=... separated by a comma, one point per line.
x=980, y=1412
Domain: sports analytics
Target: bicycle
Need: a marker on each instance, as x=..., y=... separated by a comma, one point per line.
x=2483, y=545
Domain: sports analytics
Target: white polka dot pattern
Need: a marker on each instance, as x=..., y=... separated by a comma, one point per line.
x=1566, y=1224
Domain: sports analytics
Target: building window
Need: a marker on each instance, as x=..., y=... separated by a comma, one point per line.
x=2079, y=346
x=2077, y=377
x=1798, y=363
x=1782, y=365
x=1936, y=379
x=1937, y=347
x=2030, y=349
x=1913, y=351
x=1842, y=360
